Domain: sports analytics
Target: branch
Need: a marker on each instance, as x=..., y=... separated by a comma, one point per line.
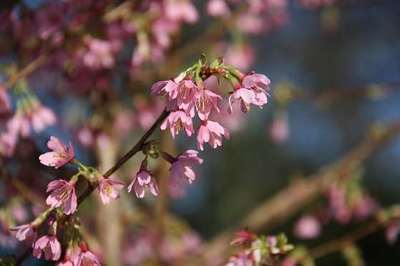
x=340, y=243
x=299, y=193
x=135, y=149
x=26, y=71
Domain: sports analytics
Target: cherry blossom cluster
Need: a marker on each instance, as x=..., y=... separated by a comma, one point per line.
x=62, y=197
x=259, y=250
x=29, y=116
x=193, y=94
x=189, y=95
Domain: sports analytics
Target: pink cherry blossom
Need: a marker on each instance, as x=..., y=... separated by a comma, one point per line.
x=279, y=130
x=289, y=261
x=165, y=87
x=19, y=125
x=250, y=23
x=233, y=121
x=181, y=11
x=42, y=117
x=71, y=256
x=186, y=97
x=109, y=189
x=99, y=54
x=60, y=154
x=307, y=227
x=182, y=167
x=176, y=121
x=243, y=237
x=25, y=233
x=48, y=246
x=244, y=96
x=62, y=194
x=211, y=132
x=217, y=8
x=8, y=142
x=65, y=263
x=338, y=205
x=242, y=259
x=392, y=232
x=253, y=89
x=206, y=101
x=86, y=257
x=240, y=55
x=364, y=207
x=143, y=181
x=259, y=84
x=162, y=29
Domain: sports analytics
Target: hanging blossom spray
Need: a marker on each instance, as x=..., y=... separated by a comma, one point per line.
x=193, y=102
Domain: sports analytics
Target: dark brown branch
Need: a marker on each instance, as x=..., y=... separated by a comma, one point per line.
x=135, y=149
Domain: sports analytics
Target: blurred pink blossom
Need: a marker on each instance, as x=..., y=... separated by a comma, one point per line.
x=42, y=118
x=279, y=129
x=307, y=227
x=99, y=54
x=5, y=105
x=217, y=8
x=181, y=171
x=240, y=55
x=241, y=259
x=181, y=11
x=392, y=232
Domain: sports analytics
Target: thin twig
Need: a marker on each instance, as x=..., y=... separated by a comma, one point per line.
x=350, y=238
x=340, y=243
x=26, y=71
x=135, y=149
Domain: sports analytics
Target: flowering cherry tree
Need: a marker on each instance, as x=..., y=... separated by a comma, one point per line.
x=131, y=107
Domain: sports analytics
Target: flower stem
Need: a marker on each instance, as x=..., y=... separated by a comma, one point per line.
x=135, y=149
